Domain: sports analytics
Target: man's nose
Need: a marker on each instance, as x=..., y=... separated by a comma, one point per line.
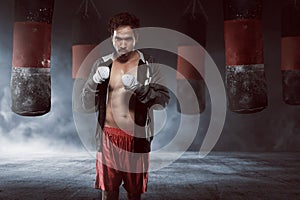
x=123, y=44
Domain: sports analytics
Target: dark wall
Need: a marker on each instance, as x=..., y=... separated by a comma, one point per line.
x=276, y=128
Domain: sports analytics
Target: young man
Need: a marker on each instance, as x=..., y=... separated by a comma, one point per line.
x=124, y=87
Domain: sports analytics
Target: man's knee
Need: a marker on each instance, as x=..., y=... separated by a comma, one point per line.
x=110, y=195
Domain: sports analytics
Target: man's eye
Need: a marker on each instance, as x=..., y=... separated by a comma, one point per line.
x=125, y=39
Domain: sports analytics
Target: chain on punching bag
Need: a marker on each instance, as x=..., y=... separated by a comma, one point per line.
x=30, y=79
x=245, y=76
x=86, y=36
x=190, y=83
x=290, y=53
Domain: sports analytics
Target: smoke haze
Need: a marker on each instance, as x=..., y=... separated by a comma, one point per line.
x=276, y=128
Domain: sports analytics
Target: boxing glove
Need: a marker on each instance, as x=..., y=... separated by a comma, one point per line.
x=130, y=82
x=102, y=73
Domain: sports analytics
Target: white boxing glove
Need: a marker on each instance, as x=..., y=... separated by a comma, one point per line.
x=102, y=73
x=130, y=82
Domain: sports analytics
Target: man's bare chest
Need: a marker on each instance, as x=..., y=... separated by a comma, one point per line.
x=118, y=70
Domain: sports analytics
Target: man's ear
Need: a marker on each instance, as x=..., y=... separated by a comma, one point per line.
x=112, y=40
x=136, y=35
x=136, y=39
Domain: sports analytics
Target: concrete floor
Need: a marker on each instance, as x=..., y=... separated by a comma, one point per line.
x=217, y=176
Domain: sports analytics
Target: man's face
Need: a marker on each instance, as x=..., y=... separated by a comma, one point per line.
x=123, y=40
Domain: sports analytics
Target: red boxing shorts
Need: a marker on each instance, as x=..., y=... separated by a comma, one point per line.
x=117, y=163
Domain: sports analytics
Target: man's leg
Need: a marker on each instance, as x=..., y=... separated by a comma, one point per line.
x=136, y=183
x=110, y=195
x=132, y=196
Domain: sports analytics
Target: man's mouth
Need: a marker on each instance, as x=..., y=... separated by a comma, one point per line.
x=123, y=52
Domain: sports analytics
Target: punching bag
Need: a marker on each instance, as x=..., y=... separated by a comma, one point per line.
x=30, y=79
x=86, y=36
x=190, y=83
x=245, y=75
x=290, y=53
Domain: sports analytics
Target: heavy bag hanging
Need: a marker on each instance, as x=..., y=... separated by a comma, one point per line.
x=290, y=53
x=86, y=36
x=245, y=76
x=30, y=79
x=192, y=23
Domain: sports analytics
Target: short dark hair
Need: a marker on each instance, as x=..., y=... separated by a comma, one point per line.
x=123, y=19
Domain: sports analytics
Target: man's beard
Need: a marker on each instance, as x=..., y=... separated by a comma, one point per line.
x=124, y=57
